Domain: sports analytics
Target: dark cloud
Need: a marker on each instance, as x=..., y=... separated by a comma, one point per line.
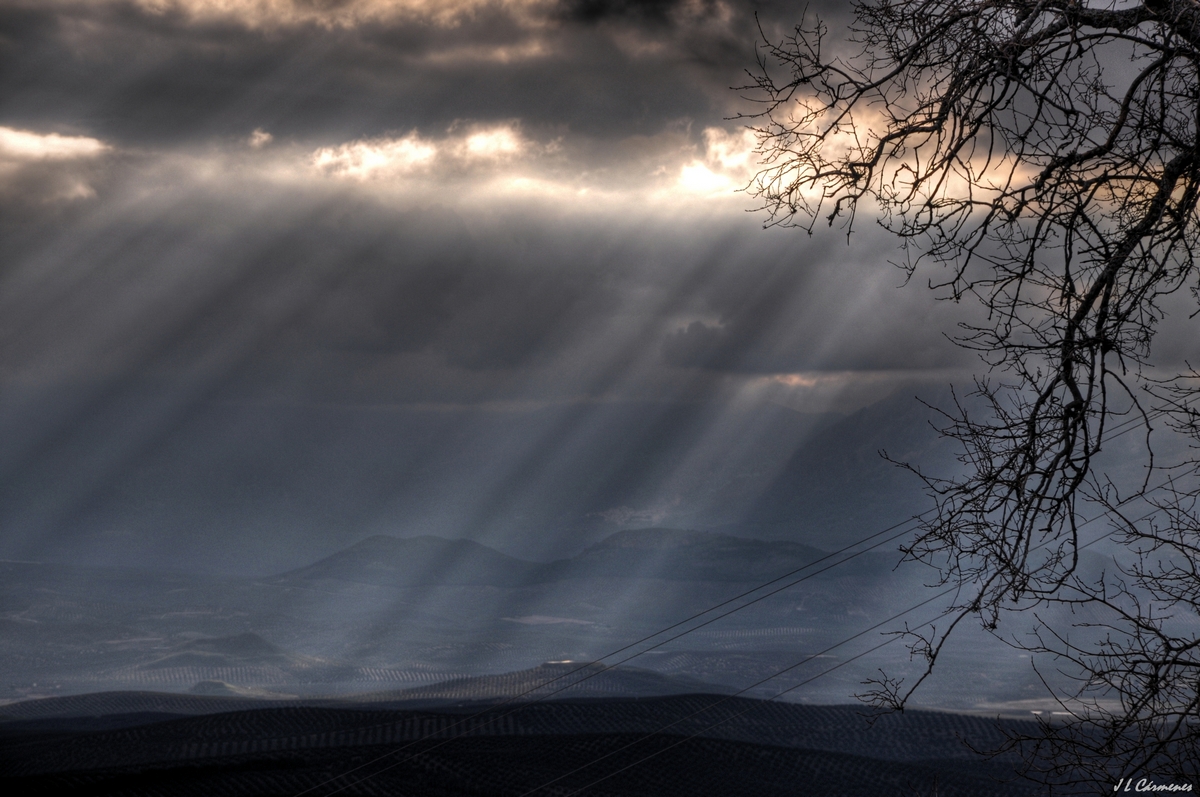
x=143, y=78
x=655, y=11
x=478, y=309
x=821, y=306
x=698, y=345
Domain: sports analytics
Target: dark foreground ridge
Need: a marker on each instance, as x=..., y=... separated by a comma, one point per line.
x=740, y=747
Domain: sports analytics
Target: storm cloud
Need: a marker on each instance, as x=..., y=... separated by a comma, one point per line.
x=468, y=217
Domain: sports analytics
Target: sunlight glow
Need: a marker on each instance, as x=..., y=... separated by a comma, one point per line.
x=47, y=167
x=260, y=138
x=731, y=151
x=27, y=146
x=493, y=143
x=486, y=165
x=392, y=158
x=699, y=179
x=796, y=380
x=729, y=162
x=916, y=171
x=376, y=158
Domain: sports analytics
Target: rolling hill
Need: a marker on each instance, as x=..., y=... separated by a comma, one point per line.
x=693, y=745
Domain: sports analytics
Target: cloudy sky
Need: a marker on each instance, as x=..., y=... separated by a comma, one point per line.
x=239, y=235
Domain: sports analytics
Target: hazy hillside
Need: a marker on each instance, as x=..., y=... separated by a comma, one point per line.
x=556, y=680
x=540, y=484
x=657, y=553
x=417, y=561
x=836, y=486
x=388, y=615
x=686, y=555
x=309, y=479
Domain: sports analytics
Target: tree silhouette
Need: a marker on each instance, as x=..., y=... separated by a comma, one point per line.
x=1040, y=157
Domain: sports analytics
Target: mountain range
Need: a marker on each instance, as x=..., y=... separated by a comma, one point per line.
x=540, y=484
x=392, y=613
x=673, y=554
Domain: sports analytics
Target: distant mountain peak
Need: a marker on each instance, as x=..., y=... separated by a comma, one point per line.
x=411, y=561
x=376, y=541
x=656, y=539
x=245, y=644
x=384, y=548
x=387, y=542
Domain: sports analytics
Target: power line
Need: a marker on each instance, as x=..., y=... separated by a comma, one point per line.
x=723, y=720
x=1117, y=431
x=607, y=667
x=776, y=675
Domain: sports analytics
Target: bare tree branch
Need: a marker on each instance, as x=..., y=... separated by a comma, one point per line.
x=1042, y=158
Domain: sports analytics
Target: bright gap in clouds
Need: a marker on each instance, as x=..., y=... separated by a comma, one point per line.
x=493, y=143
x=39, y=168
x=666, y=166
x=391, y=157
x=376, y=158
x=26, y=145
x=698, y=178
